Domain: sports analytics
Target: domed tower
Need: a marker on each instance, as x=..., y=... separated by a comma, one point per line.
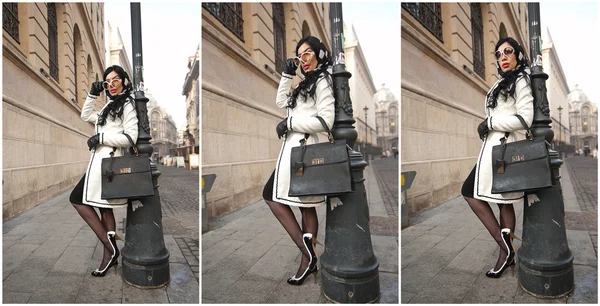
x=386, y=112
x=583, y=115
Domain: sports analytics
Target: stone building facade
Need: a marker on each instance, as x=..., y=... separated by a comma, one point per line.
x=447, y=68
x=52, y=52
x=583, y=115
x=191, y=90
x=557, y=91
x=386, y=112
x=362, y=90
x=244, y=46
x=162, y=129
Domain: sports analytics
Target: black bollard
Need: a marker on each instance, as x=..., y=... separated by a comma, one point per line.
x=145, y=259
x=349, y=268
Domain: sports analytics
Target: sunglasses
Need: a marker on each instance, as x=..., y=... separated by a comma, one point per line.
x=304, y=57
x=114, y=83
x=508, y=51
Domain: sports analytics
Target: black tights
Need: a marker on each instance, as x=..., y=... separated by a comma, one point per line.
x=310, y=224
x=99, y=226
x=507, y=220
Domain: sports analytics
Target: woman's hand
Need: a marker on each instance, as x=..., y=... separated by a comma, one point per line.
x=483, y=129
x=96, y=88
x=282, y=128
x=290, y=67
x=93, y=141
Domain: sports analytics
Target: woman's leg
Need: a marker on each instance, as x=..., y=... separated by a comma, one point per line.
x=310, y=222
x=90, y=216
x=284, y=214
x=108, y=221
x=507, y=216
x=484, y=212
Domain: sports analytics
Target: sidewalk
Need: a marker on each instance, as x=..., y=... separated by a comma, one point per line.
x=49, y=253
x=247, y=256
x=447, y=250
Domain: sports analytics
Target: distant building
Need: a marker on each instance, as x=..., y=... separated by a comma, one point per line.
x=117, y=54
x=51, y=53
x=386, y=110
x=162, y=129
x=191, y=90
x=583, y=115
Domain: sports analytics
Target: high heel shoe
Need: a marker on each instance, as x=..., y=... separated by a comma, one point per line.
x=308, y=239
x=114, y=259
x=507, y=237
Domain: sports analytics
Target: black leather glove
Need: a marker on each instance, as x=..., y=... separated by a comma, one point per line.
x=93, y=141
x=96, y=88
x=483, y=129
x=282, y=128
x=290, y=67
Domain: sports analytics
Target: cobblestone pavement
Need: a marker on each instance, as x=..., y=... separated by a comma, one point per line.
x=584, y=174
x=180, y=196
x=386, y=173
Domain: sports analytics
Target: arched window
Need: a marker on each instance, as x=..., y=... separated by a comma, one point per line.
x=585, y=113
x=279, y=35
x=76, y=61
x=90, y=71
x=429, y=14
x=503, y=33
x=53, y=40
x=154, y=121
x=10, y=19
x=392, y=119
x=305, y=29
x=477, y=34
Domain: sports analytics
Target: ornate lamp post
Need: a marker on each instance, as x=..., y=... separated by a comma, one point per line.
x=349, y=268
x=545, y=260
x=145, y=258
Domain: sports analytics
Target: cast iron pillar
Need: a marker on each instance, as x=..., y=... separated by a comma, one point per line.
x=349, y=268
x=145, y=258
x=545, y=260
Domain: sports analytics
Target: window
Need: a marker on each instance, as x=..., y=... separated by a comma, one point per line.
x=477, y=33
x=10, y=19
x=53, y=40
x=393, y=116
x=279, y=35
x=428, y=14
x=305, y=29
x=229, y=14
x=503, y=33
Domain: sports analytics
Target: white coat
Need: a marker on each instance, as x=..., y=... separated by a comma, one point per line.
x=302, y=119
x=111, y=135
x=502, y=119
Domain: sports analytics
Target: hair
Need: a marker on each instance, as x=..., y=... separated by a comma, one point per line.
x=115, y=109
x=307, y=87
x=507, y=87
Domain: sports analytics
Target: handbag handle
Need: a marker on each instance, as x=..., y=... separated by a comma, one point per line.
x=528, y=134
x=329, y=135
x=137, y=153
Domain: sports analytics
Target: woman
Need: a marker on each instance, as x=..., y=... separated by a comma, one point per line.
x=312, y=97
x=115, y=119
x=510, y=96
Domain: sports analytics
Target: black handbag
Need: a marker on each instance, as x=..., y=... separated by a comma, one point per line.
x=320, y=169
x=521, y=165
x=126, y=177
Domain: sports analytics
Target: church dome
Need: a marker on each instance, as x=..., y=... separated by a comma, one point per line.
x=384, y=95
x=577, y=96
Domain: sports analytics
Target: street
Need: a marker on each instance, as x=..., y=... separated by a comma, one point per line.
x=49, y=251
x=446, y=250
x=247, y=256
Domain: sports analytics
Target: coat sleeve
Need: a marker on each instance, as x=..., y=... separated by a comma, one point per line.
x=325, y=109
x=284, y=88
x=130, y=127
x=524, y=104
x=87, y=111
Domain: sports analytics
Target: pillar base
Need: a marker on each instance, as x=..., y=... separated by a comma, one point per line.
x=146, y=277
x=348, y=290
x=546, y=284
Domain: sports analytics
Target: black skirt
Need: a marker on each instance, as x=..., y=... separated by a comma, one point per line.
x=77, y=193
x=268, y=190
x=469, y=184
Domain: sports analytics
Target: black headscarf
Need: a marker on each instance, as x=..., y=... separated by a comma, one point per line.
x=507, y=87
x=307, y=87
x=115, y=108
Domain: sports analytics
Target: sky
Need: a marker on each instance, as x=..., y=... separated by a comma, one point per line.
x=377, y=26
x=170, y=35
x=575, y=31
